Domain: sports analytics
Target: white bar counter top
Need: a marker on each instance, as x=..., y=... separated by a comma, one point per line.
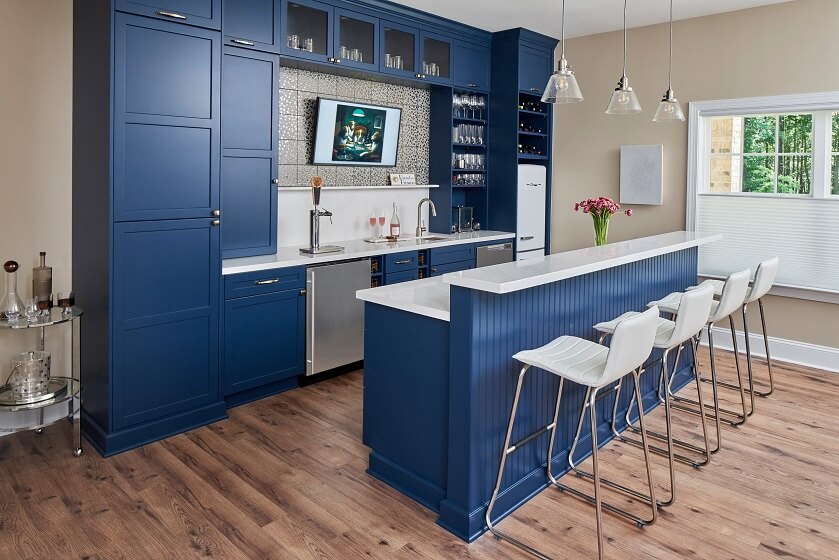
x=356, y=249
x=430, y=296
x=521, y=275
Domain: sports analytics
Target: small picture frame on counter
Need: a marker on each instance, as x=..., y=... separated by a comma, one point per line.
x=395, y=179
x=408, y=178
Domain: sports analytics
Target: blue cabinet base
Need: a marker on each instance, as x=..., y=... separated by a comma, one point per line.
x=262, y=391
x=123, y=440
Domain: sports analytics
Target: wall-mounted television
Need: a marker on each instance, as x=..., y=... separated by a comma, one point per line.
x=350, y=133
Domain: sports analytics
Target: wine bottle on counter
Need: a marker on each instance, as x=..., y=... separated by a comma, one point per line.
x=394, y=223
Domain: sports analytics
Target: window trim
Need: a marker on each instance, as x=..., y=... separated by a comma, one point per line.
x=699, y=136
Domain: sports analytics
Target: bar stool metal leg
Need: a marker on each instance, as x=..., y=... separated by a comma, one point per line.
x=590, y=400
x=738, y=417
x=766, y=345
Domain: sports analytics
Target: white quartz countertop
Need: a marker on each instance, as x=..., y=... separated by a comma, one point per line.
x=428, y=297
x=354, y=249
x=520, y=275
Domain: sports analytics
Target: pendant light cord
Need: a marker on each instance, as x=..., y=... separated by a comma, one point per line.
x=670, y=64
x=562, y=36
x=624, y=37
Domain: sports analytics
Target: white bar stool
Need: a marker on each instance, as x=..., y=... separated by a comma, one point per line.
x=694, y=311
x=595, y=367
x=732, y=296
x=763, y=282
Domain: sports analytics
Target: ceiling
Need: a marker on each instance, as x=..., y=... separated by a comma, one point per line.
x=583, y=17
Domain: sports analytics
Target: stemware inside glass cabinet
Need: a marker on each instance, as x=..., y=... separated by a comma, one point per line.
x=308, y=28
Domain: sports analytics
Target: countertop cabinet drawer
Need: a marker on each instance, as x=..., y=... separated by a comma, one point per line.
x=401, y=261
x=440, y=269
x=456, y=253
x=399, y=277
x=264, y=282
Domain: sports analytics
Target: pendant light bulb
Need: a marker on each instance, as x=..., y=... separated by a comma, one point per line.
x=669, y=109
x=562, y=86
x=624, y=101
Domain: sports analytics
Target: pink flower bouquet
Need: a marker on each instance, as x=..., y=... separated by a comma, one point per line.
x=601, y=209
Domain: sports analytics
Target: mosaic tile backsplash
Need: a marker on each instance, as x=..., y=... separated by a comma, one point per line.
x=299, y=90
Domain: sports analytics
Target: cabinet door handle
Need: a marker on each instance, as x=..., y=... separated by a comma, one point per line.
x=172, y=15
x=472, y=85
x=526, y=237
x=537, y=90
x=433, y=269
x=267, y=282
x=242, y=42
x=215, y=223
x=421, y=76
x=336, y=61
x=302, y=292
x=276, y=182
x=403, y=261
x=216, y=212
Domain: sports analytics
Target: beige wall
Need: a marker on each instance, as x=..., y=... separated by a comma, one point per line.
x=782, y=49
x=36, y=63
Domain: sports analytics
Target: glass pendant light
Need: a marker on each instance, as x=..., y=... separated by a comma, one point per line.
x=669, y=109
x=624, y=101
x=562, y=86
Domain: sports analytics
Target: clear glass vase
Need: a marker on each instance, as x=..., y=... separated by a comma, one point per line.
x=11, y=307
x=601, y=229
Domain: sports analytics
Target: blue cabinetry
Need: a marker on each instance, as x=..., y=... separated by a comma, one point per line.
x=436, y=58
x=166, y=278
x=249, y=163
x=204, y=13
x=166, y=120
x=264, y=333
x=535, y=67
x=253, y=24
x=471, y=66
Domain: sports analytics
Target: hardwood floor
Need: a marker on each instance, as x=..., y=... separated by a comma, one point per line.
x=284, y=478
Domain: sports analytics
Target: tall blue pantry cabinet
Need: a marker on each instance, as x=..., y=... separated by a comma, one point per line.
x=146, y=235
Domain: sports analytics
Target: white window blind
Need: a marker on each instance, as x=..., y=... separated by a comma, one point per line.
x=803, y=232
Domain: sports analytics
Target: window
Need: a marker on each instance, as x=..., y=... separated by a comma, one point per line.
x=762, y=154
x=764, y=172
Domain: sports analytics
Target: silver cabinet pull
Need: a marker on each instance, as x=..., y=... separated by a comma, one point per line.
x=242, y=42
x=172, y=15
x=267, y=282
x=472, y=85
x=215, y=223
x=302, y=292
x=421, y=76
x=433, y=269
x=276, y=182
x=536, y=89
x=336, y=61
x=216, y=212
x=403, y=261
x=526, y=237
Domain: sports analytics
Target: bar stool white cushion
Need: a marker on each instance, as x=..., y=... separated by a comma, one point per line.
x=664, y=328
x=671, y=302
x=594, y=365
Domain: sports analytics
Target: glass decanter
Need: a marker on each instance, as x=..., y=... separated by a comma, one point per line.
x=11, y=307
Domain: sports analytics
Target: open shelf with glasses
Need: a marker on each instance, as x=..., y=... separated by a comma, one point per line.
x=61, y=400
x=463, y=139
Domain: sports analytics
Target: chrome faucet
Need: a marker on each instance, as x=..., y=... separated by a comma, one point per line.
x=420, y=226
x=314, y=226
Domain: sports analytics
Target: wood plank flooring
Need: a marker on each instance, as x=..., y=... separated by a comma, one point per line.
x=285, y=478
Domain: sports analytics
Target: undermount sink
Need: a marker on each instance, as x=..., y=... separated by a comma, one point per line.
x=432, y=238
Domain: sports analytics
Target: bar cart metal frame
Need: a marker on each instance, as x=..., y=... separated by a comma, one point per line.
x=65, y=404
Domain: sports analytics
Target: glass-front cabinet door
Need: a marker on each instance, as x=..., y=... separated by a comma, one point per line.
x=436, y=59
x=356, y=40
x=307, y=29
x=400, y=49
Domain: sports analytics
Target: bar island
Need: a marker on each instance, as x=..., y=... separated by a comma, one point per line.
x=439, y=377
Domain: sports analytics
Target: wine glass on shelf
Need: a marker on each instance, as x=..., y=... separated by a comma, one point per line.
x=457, y=102
x=30, y=310
x=481, y=104
x=372, y=220
x=381, y=223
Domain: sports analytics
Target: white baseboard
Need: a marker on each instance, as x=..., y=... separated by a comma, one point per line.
x=783, y=350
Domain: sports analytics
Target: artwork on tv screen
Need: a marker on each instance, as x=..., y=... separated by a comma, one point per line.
x=356, y=134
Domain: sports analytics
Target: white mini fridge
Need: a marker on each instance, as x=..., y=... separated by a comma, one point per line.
x=530, y=213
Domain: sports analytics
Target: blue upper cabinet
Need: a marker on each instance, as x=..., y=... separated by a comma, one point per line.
x=166, y=120
x=308, y=30
x=399, y=50
x=253, y=24
x=203, y=13
x=356, y=40
x=471, y=66
x=165, y=319
x=435, y=58
x=534, y=69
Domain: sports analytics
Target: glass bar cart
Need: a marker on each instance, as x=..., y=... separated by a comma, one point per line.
x=62, y=399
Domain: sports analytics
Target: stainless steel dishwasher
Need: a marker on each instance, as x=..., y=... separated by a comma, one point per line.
x=489, y=255
x=334, y=317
